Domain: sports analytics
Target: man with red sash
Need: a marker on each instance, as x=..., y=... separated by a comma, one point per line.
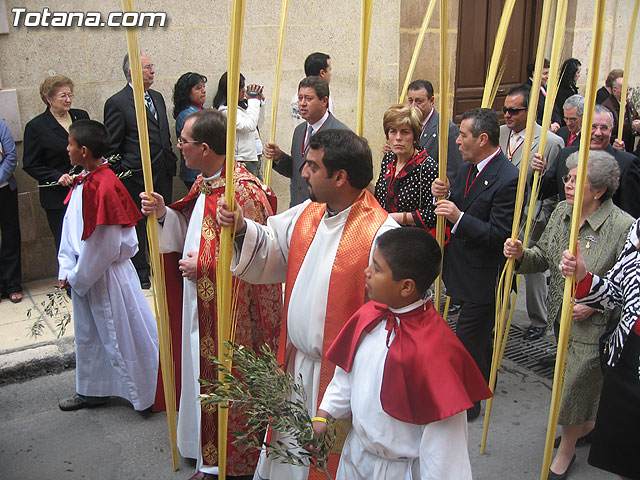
x=116, y=337
x=320, y=248
x=189, y=227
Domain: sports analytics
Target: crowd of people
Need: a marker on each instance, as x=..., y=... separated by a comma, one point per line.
x=366, y=343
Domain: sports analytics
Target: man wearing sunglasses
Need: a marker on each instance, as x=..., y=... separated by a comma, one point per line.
x=512, y=137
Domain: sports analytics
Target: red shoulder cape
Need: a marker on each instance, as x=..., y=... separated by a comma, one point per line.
x=428, y=374
x=105, y=201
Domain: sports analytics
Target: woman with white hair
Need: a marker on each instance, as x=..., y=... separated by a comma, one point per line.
x=602, y=234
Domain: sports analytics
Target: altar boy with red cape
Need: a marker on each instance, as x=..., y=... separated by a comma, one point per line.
x=402, y=373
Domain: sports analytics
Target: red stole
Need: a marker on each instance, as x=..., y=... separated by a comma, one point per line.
x=428, y=374
x=257, y=304
x=105, y=201
x=346, y=284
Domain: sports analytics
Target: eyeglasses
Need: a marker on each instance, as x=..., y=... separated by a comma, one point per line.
x=569, y=179
x=182, y=141
x=65, y=95
x=150, y=66
x=512, y=110
x=603, y=128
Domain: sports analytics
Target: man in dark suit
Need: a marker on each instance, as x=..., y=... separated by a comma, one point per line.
x=480, y=209
x=631, y=120
x=627, y=196
x=120, y=120
x=420, y=95
x=573, y=109
x=313, y=99
x=603, y=92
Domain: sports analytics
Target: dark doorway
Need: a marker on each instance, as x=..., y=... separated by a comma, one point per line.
x=478, y=24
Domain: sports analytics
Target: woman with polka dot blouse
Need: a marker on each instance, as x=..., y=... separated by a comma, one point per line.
x=407, y=171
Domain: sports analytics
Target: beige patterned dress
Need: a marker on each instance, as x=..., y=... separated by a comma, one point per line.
x=601, y=238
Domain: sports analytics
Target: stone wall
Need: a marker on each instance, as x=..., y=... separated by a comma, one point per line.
x=195, y=39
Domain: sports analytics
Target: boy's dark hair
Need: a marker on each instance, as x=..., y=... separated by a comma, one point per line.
x=344, y=150
x=91, y=134
x=411, y=253
x=314, y=63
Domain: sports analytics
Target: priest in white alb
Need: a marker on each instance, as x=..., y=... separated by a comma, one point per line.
x=320, y=249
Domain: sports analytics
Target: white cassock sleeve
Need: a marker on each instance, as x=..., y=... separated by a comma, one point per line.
x=337, y=397
x=173, y=231
x=265, y=249
x=105, y=246
x=443, y=450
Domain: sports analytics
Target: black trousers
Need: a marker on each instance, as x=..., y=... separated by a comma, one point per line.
x=162, y=184
x=474, y=329
x=10, y=261
x=55, y=216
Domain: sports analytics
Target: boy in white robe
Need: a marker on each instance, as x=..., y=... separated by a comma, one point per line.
x=116, y=336
x=401, y=373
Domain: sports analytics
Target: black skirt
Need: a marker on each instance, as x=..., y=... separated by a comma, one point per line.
x=616, y=437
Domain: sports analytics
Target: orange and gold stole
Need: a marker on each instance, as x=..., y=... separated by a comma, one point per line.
x=346, y=284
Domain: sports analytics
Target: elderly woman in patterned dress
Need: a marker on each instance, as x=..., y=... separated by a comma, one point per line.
x=404, y=186
x=602, y=233
x=617, y=433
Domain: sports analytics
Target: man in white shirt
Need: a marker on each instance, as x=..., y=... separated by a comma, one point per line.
x=313, y=100
x=512, y=136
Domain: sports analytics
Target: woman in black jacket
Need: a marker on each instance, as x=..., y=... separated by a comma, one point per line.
x=569, y=75
x=45, y=155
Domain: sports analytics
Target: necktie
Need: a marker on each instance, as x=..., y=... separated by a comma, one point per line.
x=474, y=172
x=307, y=139
x=514, y=141
x=572, y=138
x=150, y=105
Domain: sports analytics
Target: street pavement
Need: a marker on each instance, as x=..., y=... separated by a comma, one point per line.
x=38, y=441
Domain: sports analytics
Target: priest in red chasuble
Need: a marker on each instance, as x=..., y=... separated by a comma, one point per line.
x=320, y=248
x=189, y=228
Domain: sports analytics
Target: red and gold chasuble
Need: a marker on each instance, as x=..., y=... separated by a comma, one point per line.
x=346, y=284
x=259, y=307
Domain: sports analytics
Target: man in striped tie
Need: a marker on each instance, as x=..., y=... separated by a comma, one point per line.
x=120, y=120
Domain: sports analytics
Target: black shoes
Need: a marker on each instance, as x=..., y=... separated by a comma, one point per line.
x=533, y=333
x=145, y=283
x=561, y=476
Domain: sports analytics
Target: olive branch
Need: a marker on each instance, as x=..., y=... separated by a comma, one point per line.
x=271, y=398
x=78, y=170
x=56, y=307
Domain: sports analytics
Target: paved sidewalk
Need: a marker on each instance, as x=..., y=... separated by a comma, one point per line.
x=22, y=356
